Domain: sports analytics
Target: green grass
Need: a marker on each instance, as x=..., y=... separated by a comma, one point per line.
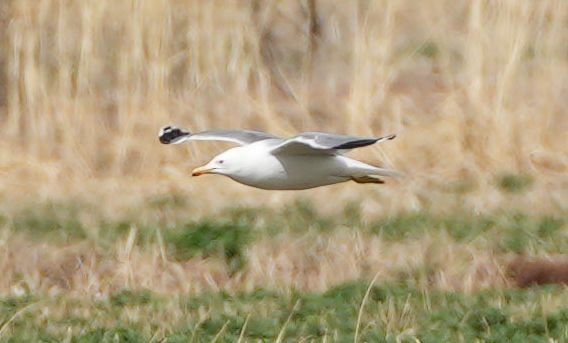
x=514, y=183
x=225, y=239
x=228, y=234
x=42, y=226
x=400, y=311
x=392, y=312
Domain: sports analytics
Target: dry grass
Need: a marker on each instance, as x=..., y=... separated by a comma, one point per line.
x=307, y=264
x=475, y=89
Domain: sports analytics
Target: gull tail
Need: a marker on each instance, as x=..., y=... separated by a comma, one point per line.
x=172, y=135
x=385, y=172
x=361, y=169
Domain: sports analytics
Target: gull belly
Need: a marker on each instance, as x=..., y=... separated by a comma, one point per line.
x=293, y=172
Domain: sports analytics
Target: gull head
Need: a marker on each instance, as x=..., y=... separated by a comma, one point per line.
x=227, y=163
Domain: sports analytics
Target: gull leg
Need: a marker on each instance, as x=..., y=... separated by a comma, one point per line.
x=367, y=179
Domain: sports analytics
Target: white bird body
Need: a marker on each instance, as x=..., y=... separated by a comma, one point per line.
x=257, y=167
x=294, y=164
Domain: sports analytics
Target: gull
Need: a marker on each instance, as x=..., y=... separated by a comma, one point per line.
x=308, y=160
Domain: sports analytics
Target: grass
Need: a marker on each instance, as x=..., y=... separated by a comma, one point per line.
x=291, y=273
x=515, y=183
x=210, y=238
x=393, y=312
x=236, y=227
x=473, y=89
x=104, y=238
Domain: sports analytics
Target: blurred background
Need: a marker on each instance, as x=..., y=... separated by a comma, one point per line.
x=477, y=92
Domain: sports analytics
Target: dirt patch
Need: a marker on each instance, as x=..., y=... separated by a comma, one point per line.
x=526, y=271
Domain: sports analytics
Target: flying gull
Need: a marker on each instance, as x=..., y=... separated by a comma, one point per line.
x=308, y=160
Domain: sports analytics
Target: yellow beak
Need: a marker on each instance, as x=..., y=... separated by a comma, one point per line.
x=201, y=170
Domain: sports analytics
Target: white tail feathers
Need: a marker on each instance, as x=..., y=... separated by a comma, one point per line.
x=386, y=172
x=358, y=168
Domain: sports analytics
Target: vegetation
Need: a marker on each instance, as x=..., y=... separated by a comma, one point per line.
x=391, y=313
x=105, y=238
x=514, y=183
x=474, y=90
x=277, y=275
x=228, y=235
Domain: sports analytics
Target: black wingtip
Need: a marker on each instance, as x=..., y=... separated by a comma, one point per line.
x=363, y=142
x=356, y=144
x=170, y=134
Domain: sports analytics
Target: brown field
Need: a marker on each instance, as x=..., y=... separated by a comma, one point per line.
x=475, y=89
x=477, y=92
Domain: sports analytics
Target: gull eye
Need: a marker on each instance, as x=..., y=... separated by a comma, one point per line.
x=220, y=161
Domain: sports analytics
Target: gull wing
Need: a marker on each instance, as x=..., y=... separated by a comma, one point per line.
x=324, y=143
x=174, y=135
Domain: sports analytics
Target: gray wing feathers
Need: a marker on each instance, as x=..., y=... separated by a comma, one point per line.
x=174, y=135
x=326, y=143
x=242, y=137
x=305, y=143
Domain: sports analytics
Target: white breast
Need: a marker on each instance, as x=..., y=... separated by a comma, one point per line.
x=263, y=170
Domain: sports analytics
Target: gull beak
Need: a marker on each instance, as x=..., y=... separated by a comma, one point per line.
x=202, y=170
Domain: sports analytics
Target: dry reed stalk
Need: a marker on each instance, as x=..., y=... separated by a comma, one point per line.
x=475, y=87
